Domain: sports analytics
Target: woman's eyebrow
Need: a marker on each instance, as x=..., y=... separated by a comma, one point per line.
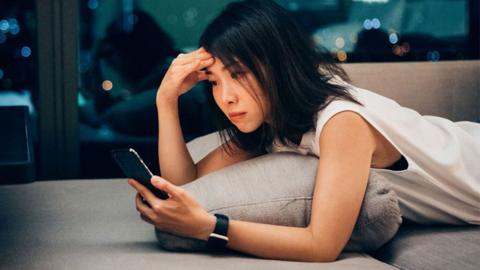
x=236, y=64
x=208, y=72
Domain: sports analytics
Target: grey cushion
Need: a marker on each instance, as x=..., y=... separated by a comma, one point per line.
x=449, y=89
x=433, y=247
x=277, y=189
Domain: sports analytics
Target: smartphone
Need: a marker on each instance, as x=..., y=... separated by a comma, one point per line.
x=134, y=167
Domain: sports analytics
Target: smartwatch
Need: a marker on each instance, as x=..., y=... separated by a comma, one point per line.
x=218, y=238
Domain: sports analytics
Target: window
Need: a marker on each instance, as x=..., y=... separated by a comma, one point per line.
x=126, y=47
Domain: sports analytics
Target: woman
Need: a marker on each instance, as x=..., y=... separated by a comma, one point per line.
x=275, y=93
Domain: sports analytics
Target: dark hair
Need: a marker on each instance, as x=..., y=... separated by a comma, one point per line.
x=291, y=70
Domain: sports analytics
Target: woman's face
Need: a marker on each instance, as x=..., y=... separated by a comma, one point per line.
x=235, y=94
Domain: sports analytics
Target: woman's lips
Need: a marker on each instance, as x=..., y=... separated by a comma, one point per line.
x=236, y=116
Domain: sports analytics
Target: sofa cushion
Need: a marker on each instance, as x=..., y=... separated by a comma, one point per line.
x=93, y=224
x=433, y=247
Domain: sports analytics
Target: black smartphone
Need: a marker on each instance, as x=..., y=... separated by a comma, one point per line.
x=134, y=167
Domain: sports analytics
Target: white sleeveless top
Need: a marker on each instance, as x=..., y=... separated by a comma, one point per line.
x=442, y=181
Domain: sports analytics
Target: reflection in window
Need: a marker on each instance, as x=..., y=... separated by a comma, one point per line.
x=121, y=67
x=126, y=47
x=18, y=83
x=387, y=30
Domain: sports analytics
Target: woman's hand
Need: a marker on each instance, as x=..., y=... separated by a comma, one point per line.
x=180, y=214
x=183, y=73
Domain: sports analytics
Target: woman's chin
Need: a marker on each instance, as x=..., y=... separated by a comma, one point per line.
x=246, y=128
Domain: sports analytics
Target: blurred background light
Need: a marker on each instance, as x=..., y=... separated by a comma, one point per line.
x=14, y=29
x=342, y=56
x=433, y=56
x=92, y=4
x=26, y=51
x=107, y=85
x=340, y=42
x=393, y=38
x=4, y=25
x=367, y=24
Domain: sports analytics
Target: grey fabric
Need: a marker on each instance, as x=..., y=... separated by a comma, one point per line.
x=277, y=189
x=433, y=247
x=93, y=224
x=449, y=89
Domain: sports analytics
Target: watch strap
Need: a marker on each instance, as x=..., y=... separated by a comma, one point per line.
x=218, y=238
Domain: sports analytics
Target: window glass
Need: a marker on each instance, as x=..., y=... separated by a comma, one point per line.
x=126, y=47
x=18, y=57
x=387, y=30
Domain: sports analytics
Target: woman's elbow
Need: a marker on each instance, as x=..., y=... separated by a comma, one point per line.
x=323, y=257
x=325, y=253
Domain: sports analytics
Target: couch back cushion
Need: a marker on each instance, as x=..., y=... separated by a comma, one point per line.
x=449, y=89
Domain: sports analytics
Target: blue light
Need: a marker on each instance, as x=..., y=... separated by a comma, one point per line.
x=26, y=51
x=14, y=29
x=1, y=73
x=433, y=56
x=4, y=25
x=13, y=22
x=367, y=24
x=393, y=38
x=92, y=4
x=376, y=23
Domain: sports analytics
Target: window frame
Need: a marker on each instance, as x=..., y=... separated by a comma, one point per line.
x=57, y=38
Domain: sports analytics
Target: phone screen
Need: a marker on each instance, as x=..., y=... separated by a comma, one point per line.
x=134, y=167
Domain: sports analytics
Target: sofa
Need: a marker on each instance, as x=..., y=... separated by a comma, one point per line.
x=93, y=224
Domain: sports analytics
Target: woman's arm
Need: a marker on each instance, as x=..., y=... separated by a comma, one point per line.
x=346, y=148
x=175, y=161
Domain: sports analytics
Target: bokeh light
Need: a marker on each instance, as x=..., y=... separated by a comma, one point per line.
x=342, y=56
x=367, y=24
x=15, y=29
x=433, y=56
x=107, y=85
x=340, y=42
x=25, y=51
x=375, y=23
x=92, y=4
x=393, y=38
x=4, y=26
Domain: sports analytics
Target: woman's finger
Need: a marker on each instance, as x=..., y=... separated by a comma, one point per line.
x=175, y=191
x=146, y=219
x=183, y=59
x=144, y=208
x=146, y=194
x=198, y=65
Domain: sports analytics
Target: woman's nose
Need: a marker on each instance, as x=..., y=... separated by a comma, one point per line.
x=228, y=95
